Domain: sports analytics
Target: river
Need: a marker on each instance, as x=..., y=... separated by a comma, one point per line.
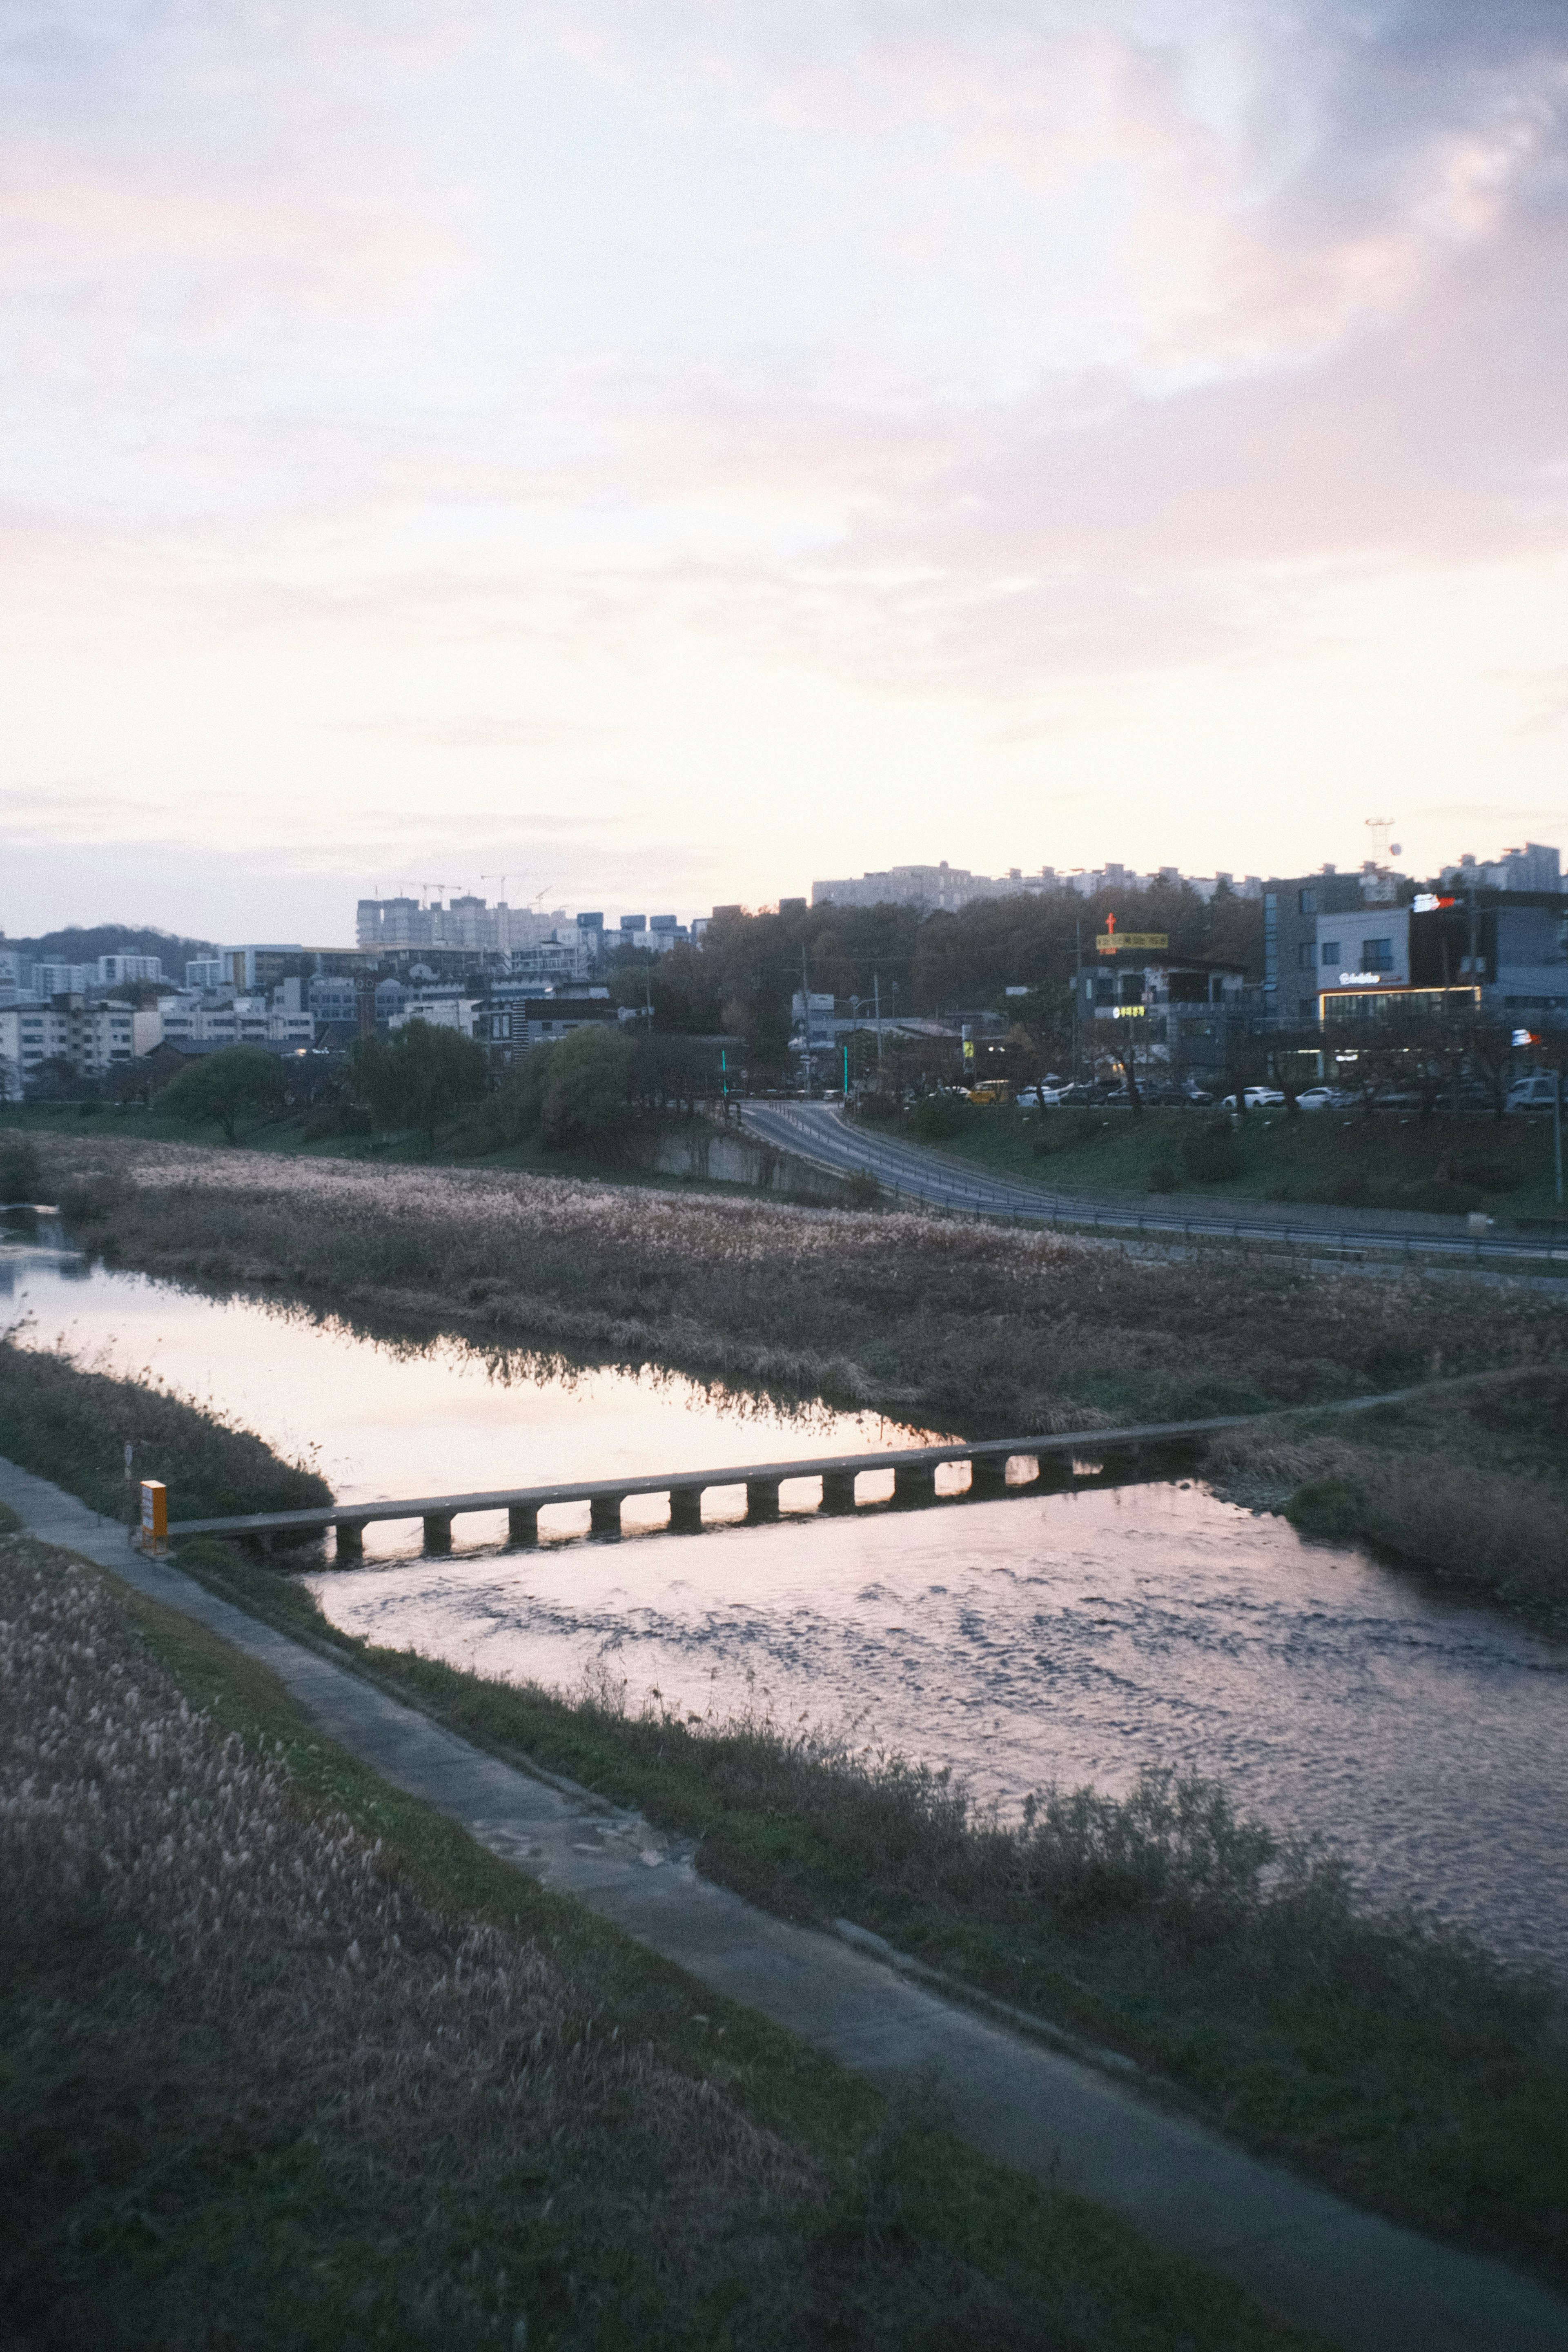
x=1061, y=1637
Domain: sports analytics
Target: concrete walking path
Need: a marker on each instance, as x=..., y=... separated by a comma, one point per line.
x=1366, y=2284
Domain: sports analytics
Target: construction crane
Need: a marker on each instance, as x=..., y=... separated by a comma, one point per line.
x=496, y=877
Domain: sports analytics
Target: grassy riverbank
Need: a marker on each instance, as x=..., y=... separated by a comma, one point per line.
x=990, y=1330
x=1409, y=2073
x=1402, y=2068
x=72, y=1426
x=1394, y=1160
x=391, y=2093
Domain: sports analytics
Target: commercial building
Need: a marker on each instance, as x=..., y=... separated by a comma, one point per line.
x=1504, y=950
x=1188, y=1010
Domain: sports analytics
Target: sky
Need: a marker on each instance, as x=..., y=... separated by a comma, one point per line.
x=665, y=454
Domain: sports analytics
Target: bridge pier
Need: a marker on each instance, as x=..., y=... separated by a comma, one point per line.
x=522, y=1524
x=838, y=1490
x=988, y=1474
x=915, y=1484
x=604, y=1514
x=762, y=1499
x=439, y=1533
x=686, y=1510
x=350, y=1537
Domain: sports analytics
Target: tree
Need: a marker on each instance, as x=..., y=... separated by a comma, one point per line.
x=419, y=1078
x=224, y=1086
x=586, y=1087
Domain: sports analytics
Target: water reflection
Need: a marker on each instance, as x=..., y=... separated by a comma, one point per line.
x=400, y=1415
x=1050, y=1636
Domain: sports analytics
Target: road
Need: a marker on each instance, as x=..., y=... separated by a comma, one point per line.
x=820, y=1133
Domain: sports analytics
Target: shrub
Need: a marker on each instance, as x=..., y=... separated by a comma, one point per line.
x=19, y=1176
x=344, y=1119
x=861, y=1189
x=1214, y=1154
x=937, y=1118
x=1486, y=1170
x=1439, y=1197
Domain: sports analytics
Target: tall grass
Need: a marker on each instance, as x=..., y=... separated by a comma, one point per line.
x=1001, y=1327
x=1397, y=2061
x=72, y=1425
x=261, y=2084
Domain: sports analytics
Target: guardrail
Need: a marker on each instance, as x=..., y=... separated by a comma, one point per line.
x=945, y=1186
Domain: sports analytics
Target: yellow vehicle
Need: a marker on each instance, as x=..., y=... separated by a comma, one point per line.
x=992, y=1090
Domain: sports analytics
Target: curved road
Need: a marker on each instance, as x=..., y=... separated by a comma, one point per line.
x=820, y=1131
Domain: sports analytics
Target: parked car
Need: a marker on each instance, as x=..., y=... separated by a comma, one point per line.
x=1537, y=1092
x=1049, y=1097
x=1319, y=1098
x=1196, y=1094
x=1256, y=1098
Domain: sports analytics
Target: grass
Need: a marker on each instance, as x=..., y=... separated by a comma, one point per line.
x=975, y=1327
x=286, y=2060
x=1438, y=1165
x=73, y=1426
x=1400, y=2066
x=313, y=1137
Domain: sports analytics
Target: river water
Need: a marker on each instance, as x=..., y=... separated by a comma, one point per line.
x=1062, y=1637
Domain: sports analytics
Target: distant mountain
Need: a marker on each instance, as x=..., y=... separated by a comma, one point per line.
x=78, y=944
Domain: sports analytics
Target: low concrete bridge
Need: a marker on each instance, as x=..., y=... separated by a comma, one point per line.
x=914, y=1470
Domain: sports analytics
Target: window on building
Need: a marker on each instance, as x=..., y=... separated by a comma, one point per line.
x=1304, y=955
x=1331, y=952
x=1307, y=902
x=1377, y=955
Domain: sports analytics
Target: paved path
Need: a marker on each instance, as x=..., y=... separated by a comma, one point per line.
x=1369, y=2286
x=819, y=1132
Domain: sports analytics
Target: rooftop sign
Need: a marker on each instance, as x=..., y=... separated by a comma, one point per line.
x=1110, y=941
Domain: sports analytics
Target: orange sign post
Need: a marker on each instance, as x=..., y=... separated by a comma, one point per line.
x=154, y=1516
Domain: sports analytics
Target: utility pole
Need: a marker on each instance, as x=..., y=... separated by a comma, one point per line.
x=1557, y=1130
x=877, y=1000
x=805, y=1016
x=1077, y=997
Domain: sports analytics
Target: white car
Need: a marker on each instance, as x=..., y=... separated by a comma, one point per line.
x=1256, y=1098
x=1538, y=1092
x=1319, y=1098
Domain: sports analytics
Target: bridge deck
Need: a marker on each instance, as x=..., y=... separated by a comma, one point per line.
x=729, y=1474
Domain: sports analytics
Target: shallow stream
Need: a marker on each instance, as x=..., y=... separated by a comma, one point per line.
x=1045, y=1636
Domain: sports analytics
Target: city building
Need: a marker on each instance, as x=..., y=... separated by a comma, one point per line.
x=1293, y=909
x=1188, y=1010
x=518, y=1016
x=1533, y=867
x=92, y=1039
x=1505, y=950
x=441, y=1009
x=465, y=922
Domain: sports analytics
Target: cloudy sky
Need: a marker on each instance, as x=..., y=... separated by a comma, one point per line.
x=665, y=450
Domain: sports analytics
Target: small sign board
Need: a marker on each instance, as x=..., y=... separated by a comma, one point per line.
x=1109, y=942
x=154, y=1516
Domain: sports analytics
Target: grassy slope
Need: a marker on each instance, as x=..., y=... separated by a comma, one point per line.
x=158, y=2206
x=1408, y=2072
x=1316, y=1156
